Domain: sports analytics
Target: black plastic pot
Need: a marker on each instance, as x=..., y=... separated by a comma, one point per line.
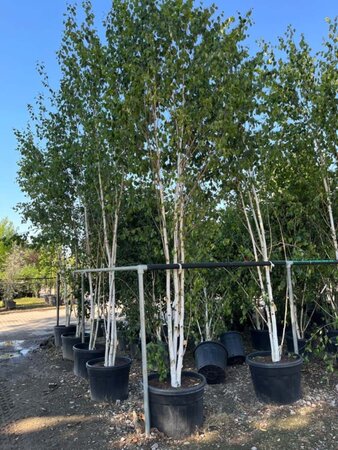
x=290, y=347
x=233, y=342
x=177, y=412
x=211, y=361
x=108, y=383
x=276, y=382
x=82, y=355
x=260, y=340
x=68, y=341
x=332, y=344
x=59, y=330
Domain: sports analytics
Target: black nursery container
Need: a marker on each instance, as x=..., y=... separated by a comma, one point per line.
x=275, y=382
x=61, y=329
x=177, y=412
x=233, y=342
x=68, y=341
x=211, y=361
x=260, y=340
x=108, y=383
x=82, y=354
x=290, y=347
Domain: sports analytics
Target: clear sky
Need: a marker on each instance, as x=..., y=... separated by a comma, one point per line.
x=31, y=31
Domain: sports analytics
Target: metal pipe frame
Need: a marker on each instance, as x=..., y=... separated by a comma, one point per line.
x=141, y=268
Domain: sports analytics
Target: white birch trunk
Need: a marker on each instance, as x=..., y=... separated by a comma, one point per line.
x=111, y=329
x=333, y=230
x=206, y=316
x=270, y=306
x=257, y=318
x=175, y=304
x=91, y=345
x=328, y=194
x=331, y=218
x=67, y=303
x=171, y=314
x=181, y=349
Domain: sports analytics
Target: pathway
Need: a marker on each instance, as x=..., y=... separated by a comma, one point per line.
x=29, y=324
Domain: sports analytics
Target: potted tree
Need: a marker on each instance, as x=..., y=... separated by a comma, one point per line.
x=96, y=135
x=174, y=97
x=277, y=379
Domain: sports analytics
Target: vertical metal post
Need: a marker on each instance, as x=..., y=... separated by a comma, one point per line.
x=57, y=299
x=292, y=307
x=140, y=272
x=82, y=309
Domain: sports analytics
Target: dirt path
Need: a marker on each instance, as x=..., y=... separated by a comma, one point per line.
x=44, y=405
x=28, y=324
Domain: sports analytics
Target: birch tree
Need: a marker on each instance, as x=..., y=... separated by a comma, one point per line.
x=174, y=61
x=302, y=114
x=106, y=143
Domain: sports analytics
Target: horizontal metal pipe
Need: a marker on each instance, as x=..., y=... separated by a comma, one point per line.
x=210, y=265
x=111, y=269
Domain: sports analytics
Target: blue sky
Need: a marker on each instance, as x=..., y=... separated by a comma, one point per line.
x=31, y=31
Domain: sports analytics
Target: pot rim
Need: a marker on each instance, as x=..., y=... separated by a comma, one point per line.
x=230, y=332
x=91, y=364
x=298, y=360
x=72, y=335
x=210, y=342
x=97, y=348
x=180, y=390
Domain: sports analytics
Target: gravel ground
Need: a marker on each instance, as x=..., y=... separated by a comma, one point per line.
x=44, y=405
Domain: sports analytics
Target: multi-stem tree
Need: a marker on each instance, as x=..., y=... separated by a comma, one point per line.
x=176, y=63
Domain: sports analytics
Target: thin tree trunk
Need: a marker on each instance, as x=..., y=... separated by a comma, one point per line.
x=331, y=218
x=254, y=247
x=270, y=308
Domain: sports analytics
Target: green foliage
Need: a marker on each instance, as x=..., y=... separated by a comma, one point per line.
x=8, y=238
x=169, y=97
x=321, y=344
x=157, y=359
x=29, y=303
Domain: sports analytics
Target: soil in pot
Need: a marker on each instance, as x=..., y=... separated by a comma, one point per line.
x=82, y=355
x=276, y=382
x=233, y=342
x=108, y=383
x=59, y=330
x=177, y=412
x=68, y=341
